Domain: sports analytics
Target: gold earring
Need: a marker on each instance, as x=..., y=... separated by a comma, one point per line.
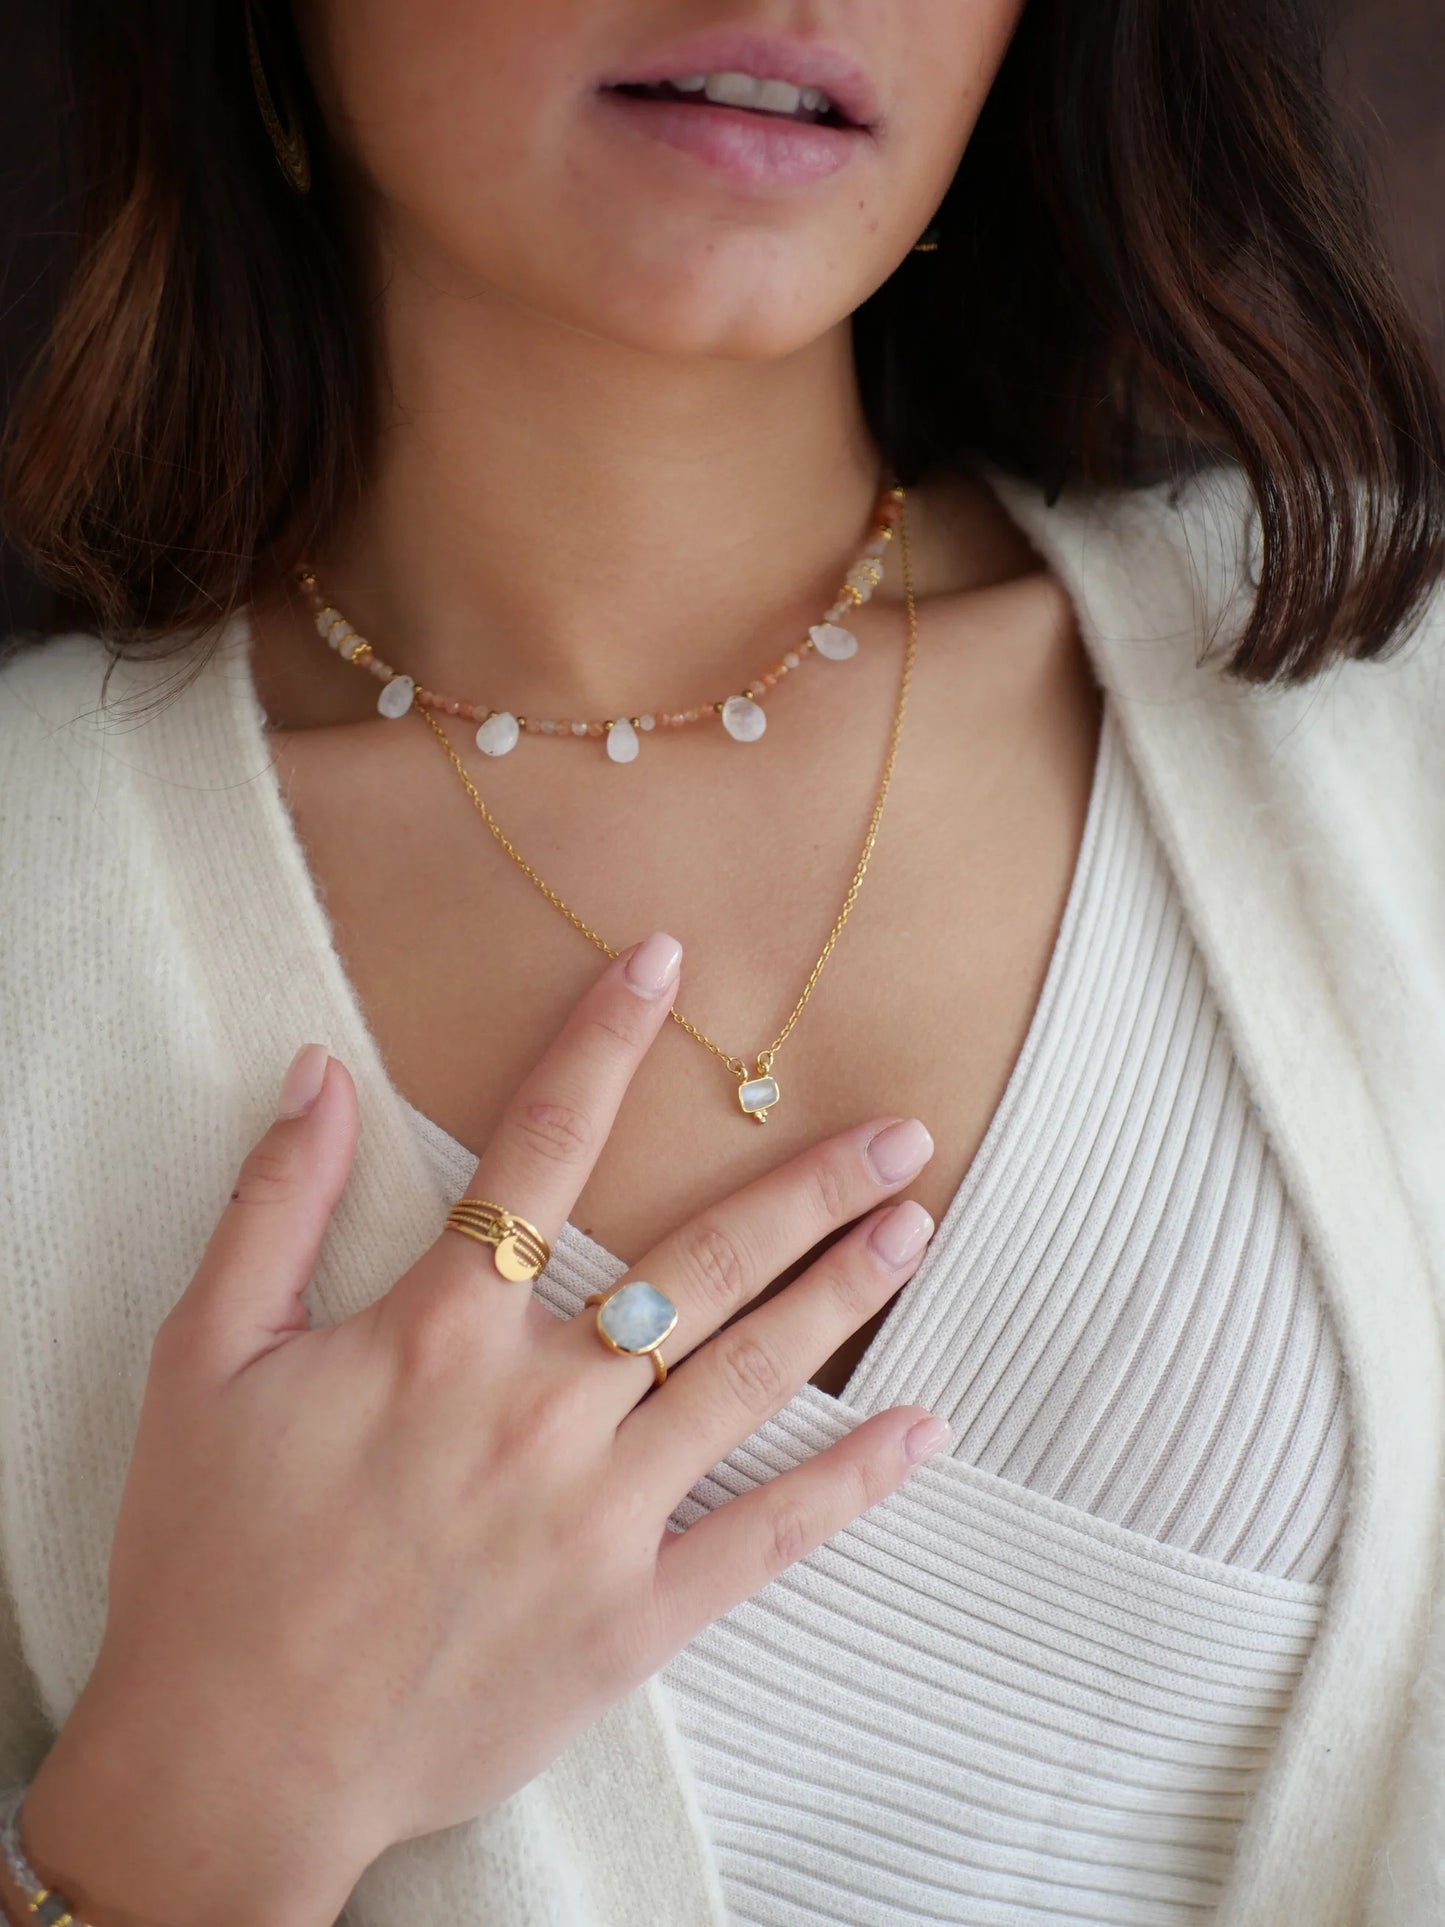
x=928, y=244
x=288, y=142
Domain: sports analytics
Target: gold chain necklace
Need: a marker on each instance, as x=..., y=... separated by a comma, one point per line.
x=758, y=1089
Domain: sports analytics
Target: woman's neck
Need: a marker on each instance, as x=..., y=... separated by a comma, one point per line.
x=557, y=523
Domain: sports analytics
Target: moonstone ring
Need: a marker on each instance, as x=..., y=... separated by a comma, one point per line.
x=634, y=1319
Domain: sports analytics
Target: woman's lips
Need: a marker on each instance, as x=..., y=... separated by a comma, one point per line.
x=757, y=149
x=804, y=61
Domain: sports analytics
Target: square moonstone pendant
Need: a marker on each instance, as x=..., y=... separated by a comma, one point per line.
x=757, y=1095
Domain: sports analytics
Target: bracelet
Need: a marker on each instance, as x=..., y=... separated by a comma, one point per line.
x=47, y=1907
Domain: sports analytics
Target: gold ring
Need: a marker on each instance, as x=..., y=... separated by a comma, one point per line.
x=519, y=1250
x=633, y=1319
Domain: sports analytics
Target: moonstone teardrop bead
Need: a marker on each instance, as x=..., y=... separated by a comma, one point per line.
x=395, y=697
x=743, y=719
x=622, y=741
x=498, y=734
x=836, y=643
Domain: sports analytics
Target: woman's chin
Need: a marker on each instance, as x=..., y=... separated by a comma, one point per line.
x=732, y=305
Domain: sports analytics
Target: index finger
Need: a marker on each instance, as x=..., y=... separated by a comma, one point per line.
x=552, y=1132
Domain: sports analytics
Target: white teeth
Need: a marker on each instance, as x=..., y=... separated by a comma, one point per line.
x=779, y=97
x=746, y=90
x=733, y=90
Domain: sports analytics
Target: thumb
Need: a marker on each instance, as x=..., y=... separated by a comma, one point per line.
x=246, y=1292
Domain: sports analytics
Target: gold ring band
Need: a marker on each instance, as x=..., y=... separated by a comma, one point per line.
x=519, y=1251
x=633, y=1319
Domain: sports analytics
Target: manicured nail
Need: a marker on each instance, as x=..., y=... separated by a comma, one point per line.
x=898, y=1150
x=901, y=1233
x=930, y=1435
x=301, y=1086
x=651, y=970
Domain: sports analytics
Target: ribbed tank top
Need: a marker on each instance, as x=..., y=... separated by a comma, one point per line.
x=1038, y=1684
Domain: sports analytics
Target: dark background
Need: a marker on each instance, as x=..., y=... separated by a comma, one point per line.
x=1390, y=73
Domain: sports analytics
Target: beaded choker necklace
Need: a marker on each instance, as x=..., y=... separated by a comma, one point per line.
x=742, y=714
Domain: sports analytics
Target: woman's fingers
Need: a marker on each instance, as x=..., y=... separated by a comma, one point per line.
x=750, y=1371
x=247, y=1290
x=714, y=1264
x=727, y=1556
x=543, y=1151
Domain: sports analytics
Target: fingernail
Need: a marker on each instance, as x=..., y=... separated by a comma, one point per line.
x=930, y=1435
x=898, y=1150
x=301, y=1086
x=901, y=1233
x=651, y=970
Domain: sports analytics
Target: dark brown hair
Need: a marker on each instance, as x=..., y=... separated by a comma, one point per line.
x=1157, y=254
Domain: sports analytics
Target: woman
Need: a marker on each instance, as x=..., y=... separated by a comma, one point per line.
x=1074, y=867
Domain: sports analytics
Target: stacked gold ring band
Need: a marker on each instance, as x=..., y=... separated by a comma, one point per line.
x=633, y=1319
x=519, y=1250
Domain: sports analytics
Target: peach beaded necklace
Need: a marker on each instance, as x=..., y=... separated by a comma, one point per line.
x=742, y=714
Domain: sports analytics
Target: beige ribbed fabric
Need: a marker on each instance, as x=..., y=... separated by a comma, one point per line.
x=1046, y=1696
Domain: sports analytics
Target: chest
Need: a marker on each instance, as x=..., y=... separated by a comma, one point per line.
x=465, y=970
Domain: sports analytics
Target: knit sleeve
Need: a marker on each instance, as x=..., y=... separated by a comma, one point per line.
x=25, y=1733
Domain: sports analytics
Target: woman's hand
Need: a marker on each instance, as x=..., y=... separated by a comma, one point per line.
x=369, y=1579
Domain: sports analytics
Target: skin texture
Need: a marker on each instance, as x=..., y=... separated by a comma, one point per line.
x=623, y=464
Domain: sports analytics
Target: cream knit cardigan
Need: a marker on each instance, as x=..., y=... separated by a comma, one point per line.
x=162, y=955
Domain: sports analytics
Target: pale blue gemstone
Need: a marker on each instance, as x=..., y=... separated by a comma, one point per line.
x=637, y=1317
x=758, y=1093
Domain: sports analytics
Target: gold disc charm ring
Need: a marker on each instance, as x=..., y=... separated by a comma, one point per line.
x=519, y=1250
